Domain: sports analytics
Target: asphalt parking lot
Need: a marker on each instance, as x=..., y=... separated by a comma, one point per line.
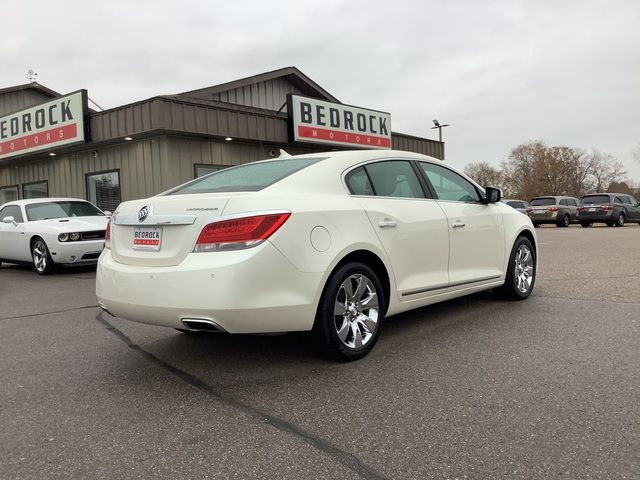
x=472, y=388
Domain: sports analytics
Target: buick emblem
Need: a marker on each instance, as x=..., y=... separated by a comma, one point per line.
x=143, y=213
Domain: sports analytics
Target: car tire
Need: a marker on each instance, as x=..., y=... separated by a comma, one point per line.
x=42, y=261
x=620, y=220
x=521, y=271
x=566, y=221
x=350, y=314
x=585, y=224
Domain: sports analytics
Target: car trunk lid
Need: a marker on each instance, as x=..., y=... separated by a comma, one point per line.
x=161, y=231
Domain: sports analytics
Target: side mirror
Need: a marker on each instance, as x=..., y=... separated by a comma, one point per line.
x=108, y=213
x=492, y=195
x=10, y=220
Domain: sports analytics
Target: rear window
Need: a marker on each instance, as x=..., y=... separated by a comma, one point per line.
x=543, y=201
x=595, y=199
x=250, y=177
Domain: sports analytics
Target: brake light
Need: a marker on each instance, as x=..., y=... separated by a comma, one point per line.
x=107, y=235
x=607, y=207
x=579, y=209
x=239, y=233
x=553, y=209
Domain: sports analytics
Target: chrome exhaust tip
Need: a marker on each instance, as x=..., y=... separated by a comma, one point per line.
x=202, y=325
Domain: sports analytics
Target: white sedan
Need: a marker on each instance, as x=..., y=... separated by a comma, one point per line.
x=51, y=231
x=332, y=243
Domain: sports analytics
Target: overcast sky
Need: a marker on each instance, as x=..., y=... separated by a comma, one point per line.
x=501, y=72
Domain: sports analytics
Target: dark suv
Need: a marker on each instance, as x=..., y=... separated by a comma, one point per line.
x=553, y=209
x=614, y=209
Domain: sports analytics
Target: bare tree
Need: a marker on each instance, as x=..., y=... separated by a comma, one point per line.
x=605, y=170
x=519, y=171
x=484, y=174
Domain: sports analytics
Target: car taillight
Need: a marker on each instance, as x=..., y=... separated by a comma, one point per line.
x=107, y=235
x=528, y=210
x=553, y=209
x=239, y=233
x=579, y=209
x=607, y=207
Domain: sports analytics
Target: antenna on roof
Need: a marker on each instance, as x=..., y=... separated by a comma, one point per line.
x=31, y=76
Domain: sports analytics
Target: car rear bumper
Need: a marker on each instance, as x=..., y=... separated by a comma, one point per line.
x=596, y=217
x=247, y=291
x=551, y=218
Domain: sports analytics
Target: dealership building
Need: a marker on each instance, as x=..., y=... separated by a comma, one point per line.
x=54, y=145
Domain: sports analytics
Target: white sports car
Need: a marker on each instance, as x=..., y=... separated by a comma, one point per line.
x=330, y=243
x=51, y=231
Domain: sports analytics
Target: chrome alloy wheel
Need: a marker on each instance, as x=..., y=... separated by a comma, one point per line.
x=356, y=311
x=39, y=253
x=523, y=269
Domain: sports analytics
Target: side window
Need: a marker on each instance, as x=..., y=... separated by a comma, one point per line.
x=449, y=185
x=563, y=202
x=626, y=200
x=574, y=202
x=395, y=178
x=358, y=182
x=11, y=211
x=617, y=200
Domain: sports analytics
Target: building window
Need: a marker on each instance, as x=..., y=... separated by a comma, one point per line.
x=8, y=194
x=200, y=170
x=35, y=190
x=103, y=189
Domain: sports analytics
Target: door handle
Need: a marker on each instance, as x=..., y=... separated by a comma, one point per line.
x=387, y=223
x=458, y=225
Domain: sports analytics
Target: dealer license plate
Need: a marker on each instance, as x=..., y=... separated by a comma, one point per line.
x=147, y=238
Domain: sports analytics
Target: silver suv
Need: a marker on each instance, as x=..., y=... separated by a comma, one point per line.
x=560, y=210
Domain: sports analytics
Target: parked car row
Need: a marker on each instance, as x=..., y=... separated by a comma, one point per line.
x=613, y=209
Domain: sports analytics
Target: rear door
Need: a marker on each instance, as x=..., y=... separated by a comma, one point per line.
x=411, y=226
x=476, y=230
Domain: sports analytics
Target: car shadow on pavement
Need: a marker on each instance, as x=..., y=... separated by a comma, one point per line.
x=235, y=360
x=60, y=270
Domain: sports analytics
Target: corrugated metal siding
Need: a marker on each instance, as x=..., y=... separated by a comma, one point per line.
x=128, y=120
x=184, y=117
x=270, y=95
x=15, y=101
x=418, y=145
x=142, y=164
x=185, y=152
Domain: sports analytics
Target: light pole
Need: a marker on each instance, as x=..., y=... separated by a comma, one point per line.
x=439, y=127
